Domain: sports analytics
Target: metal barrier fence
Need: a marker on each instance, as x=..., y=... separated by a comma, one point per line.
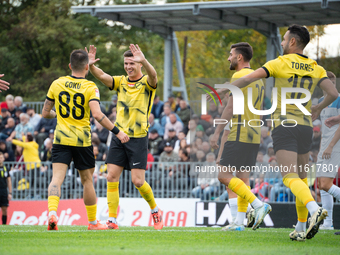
x=183, y=183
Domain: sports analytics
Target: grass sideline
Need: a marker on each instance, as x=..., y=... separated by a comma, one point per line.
x=146, y=240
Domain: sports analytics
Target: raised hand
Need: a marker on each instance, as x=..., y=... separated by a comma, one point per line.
x=92, y=55
x=3, y=84
x=138, y=55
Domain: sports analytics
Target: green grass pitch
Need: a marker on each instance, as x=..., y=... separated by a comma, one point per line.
x=145, y=240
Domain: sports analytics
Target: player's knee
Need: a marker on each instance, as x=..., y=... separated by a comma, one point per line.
x=137, y=182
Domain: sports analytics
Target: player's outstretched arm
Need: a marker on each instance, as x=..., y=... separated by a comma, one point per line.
x=139, y=57
x=105, y=78
x=47, y=111
x=3, y=84
x=105, y=122
x=331, y=94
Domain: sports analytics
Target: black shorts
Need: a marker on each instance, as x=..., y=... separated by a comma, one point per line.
x=297, y=139
x=4, y=197
x=238, y=154
x=130, y=155
x=82, y=157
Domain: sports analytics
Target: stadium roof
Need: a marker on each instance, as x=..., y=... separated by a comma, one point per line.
x=259, y=15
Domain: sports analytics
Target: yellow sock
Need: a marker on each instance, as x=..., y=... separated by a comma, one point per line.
x=91, y=212
x=53, y=202
x=146, y=192
x=301, y=210
x=113, y=198
x=298, y=188
x=242, y=204
x=241, y=189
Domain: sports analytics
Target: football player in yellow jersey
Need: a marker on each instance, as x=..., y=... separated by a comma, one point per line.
x=136, y=93
x=293, y=141
x=240, y=150
x=74, y=97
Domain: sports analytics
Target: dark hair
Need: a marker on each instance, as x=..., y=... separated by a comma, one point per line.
x=128, y=54
x=331, y=75
x=79, y=59
x=244, y=49
x=29, y=137
x=185, y=152
x=300, y=34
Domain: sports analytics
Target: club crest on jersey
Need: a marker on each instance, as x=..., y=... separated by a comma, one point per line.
x=97, y=92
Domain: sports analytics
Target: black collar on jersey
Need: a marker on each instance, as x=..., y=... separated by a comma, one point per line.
x=136, y=80
x=301, y=55
x=246, y=67
x=77, y=77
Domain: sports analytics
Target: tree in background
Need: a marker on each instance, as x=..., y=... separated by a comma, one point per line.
x=36, y=38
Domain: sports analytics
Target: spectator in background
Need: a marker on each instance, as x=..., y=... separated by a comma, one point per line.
x=157, y=108
x=43, y=128
x=270, y=153
x=213, y=111
x=155, y=125
x=22, y=128
x=166, y=116
x=3, y=105
x=173, y=124
x=208, y=183
x=172, y=138
x=190, y=137
x=178, y=100
x=9, y=128
x=4, y=117
x=166, y=157
x=316, y=140
x=265, y=139
x=103, y=149
x=97, y=155
x=172, y=103
x=184, y=114
x=8, y=153
x=46, y=154
x=150, y=159
x=181, y=136
x=200, y=133
x=11, y=108
x=34, y=118
x=206, y=148
x=155, y=142
x=102, y=132
x=201, y=122
x=19, y=104
x=30, y=152
x=113, y=105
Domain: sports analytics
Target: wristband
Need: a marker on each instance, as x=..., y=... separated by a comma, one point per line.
x=115, y=130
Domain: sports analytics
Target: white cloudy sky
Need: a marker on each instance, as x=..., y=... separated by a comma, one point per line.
x=329, y=41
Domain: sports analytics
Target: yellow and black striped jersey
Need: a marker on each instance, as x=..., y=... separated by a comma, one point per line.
x=135, y=100
x=294, y=71
x=72, y=96
x=242, y=132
